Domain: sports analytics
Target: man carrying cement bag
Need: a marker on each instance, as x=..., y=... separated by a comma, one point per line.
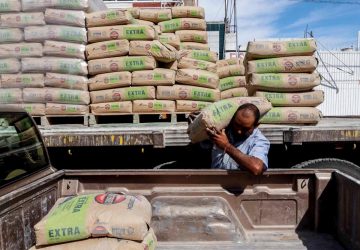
x=240, y=145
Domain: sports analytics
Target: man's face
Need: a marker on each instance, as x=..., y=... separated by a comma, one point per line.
x=244, y=124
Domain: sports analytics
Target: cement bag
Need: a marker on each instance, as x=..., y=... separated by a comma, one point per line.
x=232, y=82
x=110, y=80
x=65, y=17
x=128, y=32
x=135, y=12
x=155, y=15
x=232, y=70
x=10, y=6
x=63, y=49
x=191, y=36
x=69, y=66
x=149, y=243
x=11, y=35
x=40, y=5
x=123, y=94
x=189, y=63
x=106, y=49
x=95, y=215
x=116, y=64
x=194, y=46
x=183, y=92
x=204, y=55
x=299, y=99
x=235, y=92
x=35, y=109
x=96, y=5
x=111, y=107
x=267, y=49
x=154, y=77
x=12, y=95
x=22, y=81
x=56, y=80
x=171, y=39
x=19, y=50
x=55, y=95
x=21, y=20
x=292, y=115
x=10, y=66
x=197, y=77
x=182, y=24
x=141, y=22
x=153, y=106
x=190, y=106
x=161, y=52
x=284, y=82
x=108, y=17
x=230, y=61
x=66, y=109
x=188, y=11
x=298, y=64
x=219, y=115
x=56, y=33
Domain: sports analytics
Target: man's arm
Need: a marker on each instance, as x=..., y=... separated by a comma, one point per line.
x=251, y=163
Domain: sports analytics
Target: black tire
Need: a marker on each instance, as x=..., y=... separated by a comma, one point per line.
x=346, y=167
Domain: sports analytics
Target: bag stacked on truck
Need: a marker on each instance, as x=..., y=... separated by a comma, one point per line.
x=45, y=40
x=232, y=78
x=284, y=73
x=124, y=55
x=97, y=221
x=196, y=79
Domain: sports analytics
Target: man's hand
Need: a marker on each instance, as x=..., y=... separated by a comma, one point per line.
x=219, y=138
x=192, y=116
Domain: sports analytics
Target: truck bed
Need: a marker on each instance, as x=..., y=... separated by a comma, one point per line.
x=212, y=209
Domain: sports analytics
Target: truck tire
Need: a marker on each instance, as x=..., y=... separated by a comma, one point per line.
x=346, y=167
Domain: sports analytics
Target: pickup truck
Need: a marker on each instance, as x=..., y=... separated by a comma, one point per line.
x=192, y=209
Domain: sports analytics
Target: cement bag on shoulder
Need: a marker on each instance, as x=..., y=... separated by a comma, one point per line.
x=108, y=18
x=41, y=5
x=185, y=92
x=190, y=106
x=171, y=39
x=95, y=215
x=155, y=15
x=194, y=46
x=64, y=49
x=204, y=55
x=188, y=11
x=235, y=92
x=219, y=115
x=66, y=109
x=282, y=82
x=189, y=63
x=10, y=6
x=197, y=77
x=110, y=80
x=22, y=81
x=65, y=17
x=297, y=64
x=153, y=106
x=161, y=52
x=123, y=94
x=111, y=107
x=192, y=36
x=298, y=99
x=232, y=82
x=11, y=95
x=232, y=70
x=107, y=49
x=149, y=243
x=267, y=49
x=182, y=24
x=154, y=77
x=292, y=115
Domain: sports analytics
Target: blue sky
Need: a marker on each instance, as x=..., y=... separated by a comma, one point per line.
x=334, y=25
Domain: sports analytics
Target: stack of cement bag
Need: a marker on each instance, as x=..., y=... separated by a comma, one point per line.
x=123, y=62
x=232, y=78
x=43, y=56
x=96, y=222
x=283, y=72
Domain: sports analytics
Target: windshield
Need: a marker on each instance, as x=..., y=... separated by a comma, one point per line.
x=21, y=149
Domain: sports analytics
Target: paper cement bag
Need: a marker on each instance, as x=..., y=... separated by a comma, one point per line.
x=111, y=107
x=191, y=36
x=13, y=95
x=95, y=215
x=153, y=106
x=35, y=109
x=182, y=24
x=298, y=99
x=189, y=63
x=194, y=46
x=171, y=39
x=56, y=95
x=219, y=115
x=19, y=50
x=292, y=115
x=21, y=20
x=184, y=92
x=10, y=5
x=197, y=77
x=155, y=15
x=22, y=81
x=56, y=80
x=235, y=92
x=188, y=11
x=161, y=52
x=204, y=55
x=108, y=18
x=64, y=49
x=110, y=80
x=230, y=61
x=11, y=35
x=123, y=94
x=10, y=66
x=66, y=109
x=41, y=5
x=112, y=48
x=65, y=17
x=232, y=70
x=190, y=106
x=154, y=77
x=232, y=82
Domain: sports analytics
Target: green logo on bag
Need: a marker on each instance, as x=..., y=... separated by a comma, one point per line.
x=70, y=3
x=271, y=79
x=202, y=95
x=70, y=97
x=71, y=34
x=136, y=93
x=111, y=15
x=113, y=79
x=298, y=46
x=227, y=83
x=200, y=55
x=4, y=6
x=134, y=63
x=223, y=110
x=136, y=33
x=267, y=65
x=113, y=46
x=171, y=25
x=158, y=76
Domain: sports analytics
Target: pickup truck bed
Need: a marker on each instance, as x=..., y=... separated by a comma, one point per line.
x=212, y=209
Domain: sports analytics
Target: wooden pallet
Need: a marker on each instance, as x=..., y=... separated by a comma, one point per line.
x=119, y=118
x=52, y=120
